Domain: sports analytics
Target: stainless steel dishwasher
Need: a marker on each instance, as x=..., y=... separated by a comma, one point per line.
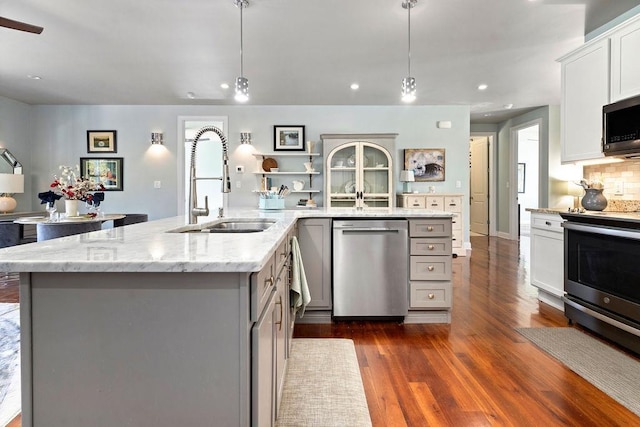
x=370, y=268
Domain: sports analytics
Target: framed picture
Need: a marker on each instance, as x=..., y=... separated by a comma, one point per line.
x=288, y=138
x=101, y=141
x=427, y=164
x=107, y=171
x=522, y=169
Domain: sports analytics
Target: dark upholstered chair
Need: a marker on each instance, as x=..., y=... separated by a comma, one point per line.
x=130, y=219
x=9, y=234
x=47, y=231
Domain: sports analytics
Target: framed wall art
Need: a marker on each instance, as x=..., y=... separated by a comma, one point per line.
x=288, y=138
x=101, y=141
x=427, y=164
x=107, y=171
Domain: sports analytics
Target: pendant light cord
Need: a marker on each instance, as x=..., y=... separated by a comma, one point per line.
x=241, y=5
x=409, y=6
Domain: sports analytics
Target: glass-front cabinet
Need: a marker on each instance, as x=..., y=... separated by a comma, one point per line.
x=359, y=174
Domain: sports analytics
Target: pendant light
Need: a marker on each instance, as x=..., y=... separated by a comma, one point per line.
x=409, y=83
x=242, y=84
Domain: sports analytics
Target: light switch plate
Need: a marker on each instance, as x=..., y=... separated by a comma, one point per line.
x=619, y=188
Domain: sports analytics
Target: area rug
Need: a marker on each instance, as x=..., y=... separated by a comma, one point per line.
x=323, y=386
x=9, y=362
x=610, y=370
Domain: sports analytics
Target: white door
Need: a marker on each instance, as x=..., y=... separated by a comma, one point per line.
x=479, y=186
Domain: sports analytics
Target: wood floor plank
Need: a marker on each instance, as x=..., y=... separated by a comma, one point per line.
x=477, y=371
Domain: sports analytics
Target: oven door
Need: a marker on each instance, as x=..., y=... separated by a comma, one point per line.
x=602, y=271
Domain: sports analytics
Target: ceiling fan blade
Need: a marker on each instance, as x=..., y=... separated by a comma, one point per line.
x=21, y=26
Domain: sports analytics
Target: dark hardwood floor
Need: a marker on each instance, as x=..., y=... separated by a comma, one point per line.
x=477, y=371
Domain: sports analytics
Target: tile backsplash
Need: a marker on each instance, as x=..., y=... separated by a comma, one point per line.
x=623, y=176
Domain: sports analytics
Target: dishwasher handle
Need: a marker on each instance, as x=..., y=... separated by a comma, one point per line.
x=368, y=230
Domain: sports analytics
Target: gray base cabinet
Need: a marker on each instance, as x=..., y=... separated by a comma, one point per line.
x=430, y=264
x=155, y=349
x=314, y=237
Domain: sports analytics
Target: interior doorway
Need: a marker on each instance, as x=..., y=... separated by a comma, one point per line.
x=479, y=185
x=482, y=209
x=526, y=177
x=208, y=161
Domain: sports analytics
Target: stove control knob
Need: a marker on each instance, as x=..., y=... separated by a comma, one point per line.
x=606, y=300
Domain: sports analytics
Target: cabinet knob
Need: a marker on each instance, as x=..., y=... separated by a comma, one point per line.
x=430, y=268
x=431, y=296
x=547, y=223
x=431, y=247
x=270, y=281
x=429, y=228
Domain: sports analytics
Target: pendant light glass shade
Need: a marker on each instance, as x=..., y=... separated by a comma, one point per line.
x=409, y=83
x=242, y=89
x=408, y=89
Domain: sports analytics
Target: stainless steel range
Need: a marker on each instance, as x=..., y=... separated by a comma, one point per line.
x=602, y=275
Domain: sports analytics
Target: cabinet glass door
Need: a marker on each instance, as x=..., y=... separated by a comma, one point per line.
x=376, y=177
x=359, y=174
x=342, y=177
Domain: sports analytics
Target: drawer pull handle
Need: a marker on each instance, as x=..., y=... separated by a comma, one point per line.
x=547, y=223
x=431, y=296
x=270, y=281
x=430, y=268
x=416, y=204
x=431, y=247
x=279, y=302
x=429, y=228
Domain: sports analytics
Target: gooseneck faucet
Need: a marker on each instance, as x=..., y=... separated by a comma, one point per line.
x=194, y=210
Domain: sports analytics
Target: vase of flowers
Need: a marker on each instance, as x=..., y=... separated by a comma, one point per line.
x=74, y=188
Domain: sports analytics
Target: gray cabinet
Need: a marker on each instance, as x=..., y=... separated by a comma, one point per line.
x=430, y=265
x=314, y=237
x=269, y=336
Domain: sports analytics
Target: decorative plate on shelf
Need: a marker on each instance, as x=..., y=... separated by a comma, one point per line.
x=269, y=163
x=350, y=187
x=351, y=161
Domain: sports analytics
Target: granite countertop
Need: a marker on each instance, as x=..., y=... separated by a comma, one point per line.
x=148, y=247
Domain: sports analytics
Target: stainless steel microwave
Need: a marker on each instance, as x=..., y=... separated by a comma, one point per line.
x=621, y=128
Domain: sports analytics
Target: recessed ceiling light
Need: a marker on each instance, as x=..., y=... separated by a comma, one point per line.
x=482, y=86
x=224, y=86
x=355, y=86
x=191, y=95
x=508, y=106
x=32, y=77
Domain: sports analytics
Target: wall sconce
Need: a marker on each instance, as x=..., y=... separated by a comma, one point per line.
x=407, y=177
x=156, y=138
x=245, y=138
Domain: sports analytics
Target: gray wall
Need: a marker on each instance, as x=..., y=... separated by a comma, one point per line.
x=57, y=135
x=14, y=136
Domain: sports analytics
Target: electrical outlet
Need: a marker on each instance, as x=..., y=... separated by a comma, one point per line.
x=238, y=184
x=458, y=184
x=157, y=184
x=619, y=188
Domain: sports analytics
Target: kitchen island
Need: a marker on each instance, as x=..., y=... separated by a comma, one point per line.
x=138, y=326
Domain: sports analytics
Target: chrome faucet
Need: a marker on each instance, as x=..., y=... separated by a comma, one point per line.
x=194, y=210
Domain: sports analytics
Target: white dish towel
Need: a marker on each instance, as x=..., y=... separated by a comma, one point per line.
x=300, y=295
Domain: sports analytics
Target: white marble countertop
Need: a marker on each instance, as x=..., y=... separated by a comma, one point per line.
x=148, y=247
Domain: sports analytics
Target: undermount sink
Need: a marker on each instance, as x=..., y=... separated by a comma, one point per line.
x=243, y=225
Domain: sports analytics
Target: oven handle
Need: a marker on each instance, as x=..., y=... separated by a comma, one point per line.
x=616, y=232
x=602, y=317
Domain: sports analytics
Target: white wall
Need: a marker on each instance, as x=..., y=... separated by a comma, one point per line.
x=57, y=135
